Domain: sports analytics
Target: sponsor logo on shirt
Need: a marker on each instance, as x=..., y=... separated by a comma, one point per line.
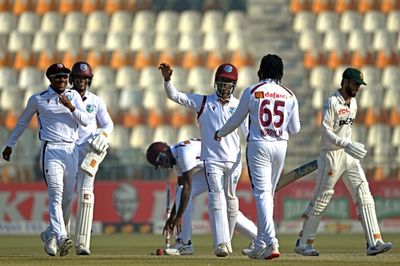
x=89, y=108
x=259, y=95
x=347, y=121
x=232, y=110
x=344, y=111
x=273, y=95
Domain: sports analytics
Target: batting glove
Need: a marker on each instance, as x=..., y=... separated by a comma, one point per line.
x=356, y=150
x=100, y=141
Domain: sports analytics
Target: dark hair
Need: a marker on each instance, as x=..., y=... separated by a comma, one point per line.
x=271, y=67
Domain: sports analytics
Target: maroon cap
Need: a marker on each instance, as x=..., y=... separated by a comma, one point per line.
x=57, y=68
x=228, y=71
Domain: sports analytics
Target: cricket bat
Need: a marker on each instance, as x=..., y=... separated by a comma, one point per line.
x=296, y=174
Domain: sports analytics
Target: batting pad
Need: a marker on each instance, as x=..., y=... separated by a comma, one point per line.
x=366, y=211
x=313, y=217
x=84, y=219
x=321, y=203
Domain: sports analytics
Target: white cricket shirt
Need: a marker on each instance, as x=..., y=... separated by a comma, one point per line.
x=337, y=119
x=273, y=112
x=212, y=115
x=187, y=155
x=98, y=115
x=56, y=123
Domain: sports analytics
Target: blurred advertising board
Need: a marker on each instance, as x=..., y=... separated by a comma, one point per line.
x=139, y=206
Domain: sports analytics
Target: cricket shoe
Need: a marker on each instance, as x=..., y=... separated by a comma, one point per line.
x=229, y=247
x=181, y=249
x=307, y=250
x=265, y=253
x=222, y=250
x=50, y=244
x=81, y=250
x=380, y=247
x=247, y=250
x=65, y=246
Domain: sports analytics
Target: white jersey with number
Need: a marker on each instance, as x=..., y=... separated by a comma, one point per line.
x=98, y=115
x=337, y=119
x=56, y=123
x=211, y=115
x=187, y=155
x=273, y=111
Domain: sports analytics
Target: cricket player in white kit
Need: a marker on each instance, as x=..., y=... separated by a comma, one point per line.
x=185, y=158
x=221, y=159
x=274, y=113
x=92, y=145
x=339, y=156
x=59, y=112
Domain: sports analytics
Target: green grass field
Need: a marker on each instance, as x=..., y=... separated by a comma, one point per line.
x=135, y=249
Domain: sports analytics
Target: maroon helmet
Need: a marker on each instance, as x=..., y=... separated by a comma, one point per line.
x=81, y=69
x=228, y=71
x=226, y=77
x=154, y=151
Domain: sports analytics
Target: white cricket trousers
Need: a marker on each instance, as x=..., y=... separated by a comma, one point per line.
x=222, y=179
x=59, y=163
x=199, y=186
x=265, y=160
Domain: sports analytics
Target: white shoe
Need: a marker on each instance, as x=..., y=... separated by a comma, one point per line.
x=265, y=253
x=222, y=250
x=380, y=247
x=307, y=250
x=50, y=244
x=81, y=250
x=247, y=250
x=229, y=247
x=180, y=249
x=65, y=246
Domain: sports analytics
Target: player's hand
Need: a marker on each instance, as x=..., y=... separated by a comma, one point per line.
x=64, y=101
x=99, y=142
x=216, y=137
x=169, y=225
x=356, y=150
x=166, y=71
x=7, y=153
x=178, y=225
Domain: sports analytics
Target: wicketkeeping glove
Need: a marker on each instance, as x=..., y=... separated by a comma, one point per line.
x=99, y=141
x=356, y=150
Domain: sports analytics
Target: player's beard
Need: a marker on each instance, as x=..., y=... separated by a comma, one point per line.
x=350, y=91
x=59, y=85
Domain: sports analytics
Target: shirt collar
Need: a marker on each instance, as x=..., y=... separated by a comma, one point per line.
x=340, y=97
x=268, y=81
x=51, y=90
